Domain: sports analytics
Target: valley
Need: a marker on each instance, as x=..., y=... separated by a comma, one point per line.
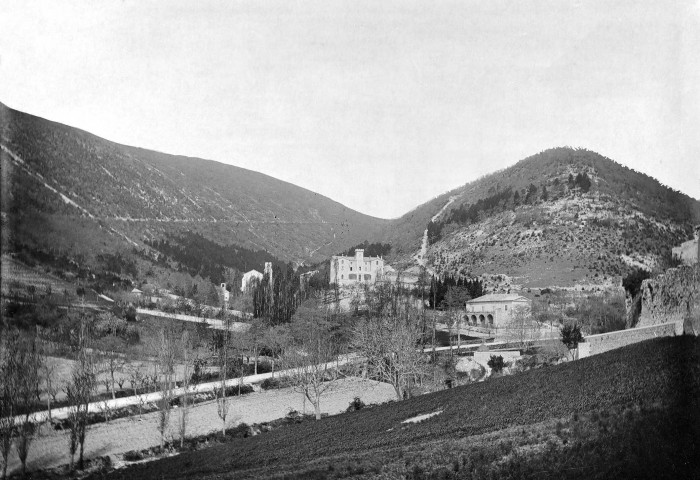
x=195, y=290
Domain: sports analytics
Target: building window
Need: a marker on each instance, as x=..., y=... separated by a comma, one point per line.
x=352, y=276
x=351, y=269
x=506, y=307
x=341, y=277
x=368, y=276
x=359, y=268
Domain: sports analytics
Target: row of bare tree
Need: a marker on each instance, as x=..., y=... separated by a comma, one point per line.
x=23, y=365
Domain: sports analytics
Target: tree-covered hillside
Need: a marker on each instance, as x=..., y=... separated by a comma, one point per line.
x=559, y=217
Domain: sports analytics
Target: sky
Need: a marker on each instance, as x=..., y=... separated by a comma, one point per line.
x=380, y=105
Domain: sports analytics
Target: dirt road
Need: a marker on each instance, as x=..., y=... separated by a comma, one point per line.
x=134, y=433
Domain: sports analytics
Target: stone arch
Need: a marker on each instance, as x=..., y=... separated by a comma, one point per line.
x=489, y=318
x=482, y=320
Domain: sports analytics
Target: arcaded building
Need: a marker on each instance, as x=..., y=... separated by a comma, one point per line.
x=356, y=270
x=494, y=310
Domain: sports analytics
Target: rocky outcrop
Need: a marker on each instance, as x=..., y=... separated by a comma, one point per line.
x=672, y=297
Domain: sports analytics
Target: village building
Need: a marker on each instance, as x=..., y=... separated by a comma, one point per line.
x=249, y=279
x=495, y=309
x=355, y=270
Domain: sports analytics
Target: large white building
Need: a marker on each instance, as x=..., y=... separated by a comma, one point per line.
x=495, y=309
x=249, y=279
x=356, y=270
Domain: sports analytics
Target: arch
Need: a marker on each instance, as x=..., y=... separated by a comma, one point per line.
x=473, y=319
x=482, y=320
x=489, y=318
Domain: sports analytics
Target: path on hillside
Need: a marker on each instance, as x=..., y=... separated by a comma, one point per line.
x=420, y=256
x=138, y=433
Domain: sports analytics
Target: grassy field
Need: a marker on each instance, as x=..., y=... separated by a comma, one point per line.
x=642, y=391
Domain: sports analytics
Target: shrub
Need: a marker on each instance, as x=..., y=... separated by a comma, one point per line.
x=270, y=384
x=356, y=404
x=133, y=456
x=571, y=335
x=496, y=363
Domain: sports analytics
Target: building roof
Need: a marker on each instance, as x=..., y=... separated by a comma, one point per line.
x=498, y=297
x=352, y=258
x=252, y=272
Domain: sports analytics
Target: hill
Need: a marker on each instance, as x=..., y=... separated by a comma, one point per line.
x=628, y=413
x=561, y=217
x=70, y=191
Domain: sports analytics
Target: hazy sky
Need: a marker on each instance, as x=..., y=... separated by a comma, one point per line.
x=379, y=105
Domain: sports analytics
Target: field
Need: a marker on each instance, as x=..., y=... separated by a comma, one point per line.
x=659, y=378
x=62, y=368
x=17, y=275
x=136, y=433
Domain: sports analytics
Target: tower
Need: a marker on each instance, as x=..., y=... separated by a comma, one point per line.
x=268, y=271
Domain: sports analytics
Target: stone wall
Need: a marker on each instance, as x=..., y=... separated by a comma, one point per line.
x=671, y=297
x=595, y=344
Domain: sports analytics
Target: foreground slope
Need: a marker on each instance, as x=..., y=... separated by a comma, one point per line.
x=58, y=182
x=651, y=385
x=560, y=217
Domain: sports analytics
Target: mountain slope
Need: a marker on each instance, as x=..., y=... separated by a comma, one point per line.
x=560, y=217
x=54, y=176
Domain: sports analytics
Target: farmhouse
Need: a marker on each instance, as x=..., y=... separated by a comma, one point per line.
x=358, y=269
x=494, y=310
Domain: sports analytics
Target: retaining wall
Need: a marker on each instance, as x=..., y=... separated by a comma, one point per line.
x=595, y=344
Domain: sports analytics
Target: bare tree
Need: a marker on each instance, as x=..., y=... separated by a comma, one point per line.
x=51, y=385
x=79, y=392
x=255, y=338
x=276, y=339
x=221, y=347
x=311, y=358
x=166, y=351
x=112, y=363
x=390, y=344
x=8, y=410
x=26, y=384
x=522, y=329
x=312, y=369
x=136, y=379
x=187, y=344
